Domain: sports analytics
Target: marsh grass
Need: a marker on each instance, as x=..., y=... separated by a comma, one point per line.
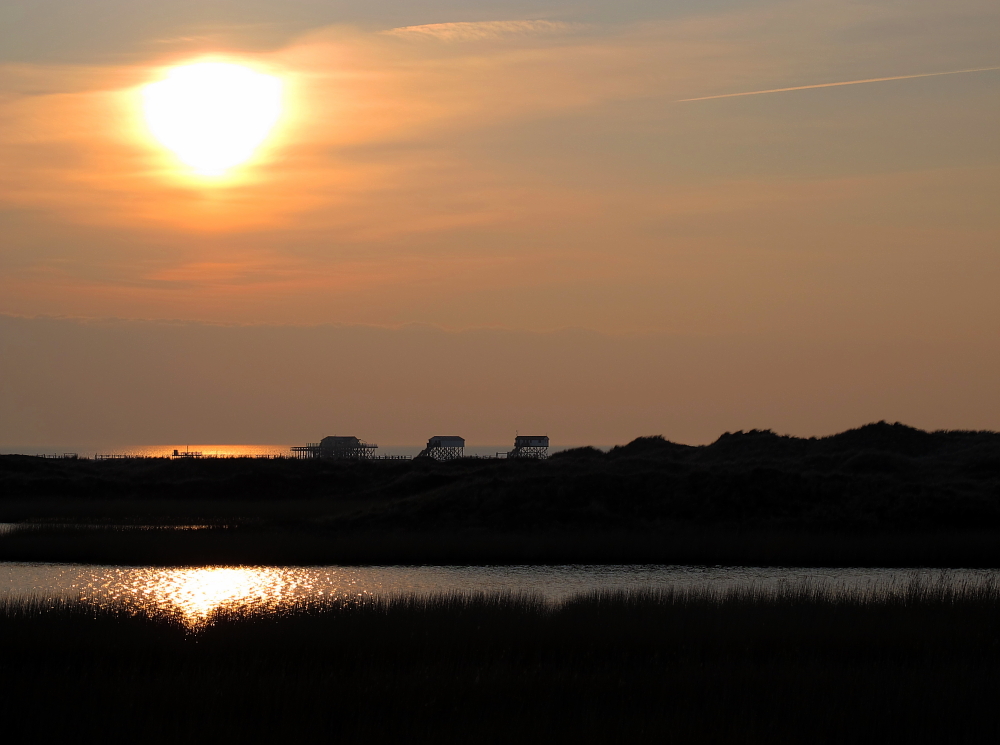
x=915, y=663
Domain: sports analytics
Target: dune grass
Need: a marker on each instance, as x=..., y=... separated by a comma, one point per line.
x=915, y=664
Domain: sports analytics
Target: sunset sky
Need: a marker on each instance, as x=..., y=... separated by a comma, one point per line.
x=475, y=217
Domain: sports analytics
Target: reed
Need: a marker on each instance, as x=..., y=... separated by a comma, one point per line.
x=913, y=663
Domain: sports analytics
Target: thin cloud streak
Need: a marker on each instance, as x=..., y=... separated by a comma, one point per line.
x=834, y=85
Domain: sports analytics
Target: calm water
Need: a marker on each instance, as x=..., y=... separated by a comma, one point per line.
x=195, y=592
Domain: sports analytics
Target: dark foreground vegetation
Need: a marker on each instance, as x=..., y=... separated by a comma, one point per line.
x=883, y=494
x=916, y=666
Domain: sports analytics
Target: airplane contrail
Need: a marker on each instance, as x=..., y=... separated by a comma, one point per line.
x=833, y=85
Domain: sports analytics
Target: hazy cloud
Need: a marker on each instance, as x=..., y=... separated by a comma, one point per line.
x=538, y=184
x=483, y=30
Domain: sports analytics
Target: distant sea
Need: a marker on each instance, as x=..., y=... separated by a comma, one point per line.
x=216, y=449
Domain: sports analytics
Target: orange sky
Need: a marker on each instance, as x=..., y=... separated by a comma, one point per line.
x=523, y=167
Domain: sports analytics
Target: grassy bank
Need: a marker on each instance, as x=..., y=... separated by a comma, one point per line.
x=918, y=665
x=306, y=546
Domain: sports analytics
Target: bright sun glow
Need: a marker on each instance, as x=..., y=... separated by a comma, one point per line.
x=213, y=115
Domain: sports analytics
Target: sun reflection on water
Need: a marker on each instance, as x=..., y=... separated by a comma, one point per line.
x=194, y=594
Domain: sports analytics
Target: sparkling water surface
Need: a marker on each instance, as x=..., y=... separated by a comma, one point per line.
x=194, y=593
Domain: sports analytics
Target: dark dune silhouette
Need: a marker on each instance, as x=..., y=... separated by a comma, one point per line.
x=879, y=494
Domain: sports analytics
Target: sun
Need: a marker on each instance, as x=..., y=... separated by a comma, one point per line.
x=213, y=115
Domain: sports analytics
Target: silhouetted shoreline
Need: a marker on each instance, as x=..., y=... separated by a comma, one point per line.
x=880, y=495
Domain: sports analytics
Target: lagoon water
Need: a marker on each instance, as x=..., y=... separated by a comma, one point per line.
x=194, y=593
